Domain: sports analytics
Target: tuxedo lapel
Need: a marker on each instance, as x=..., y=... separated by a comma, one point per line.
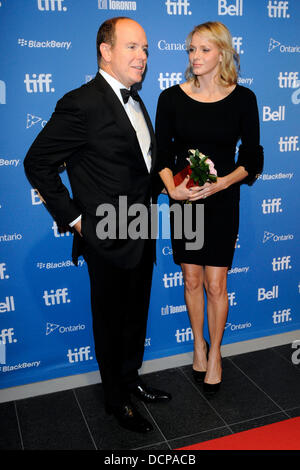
x=151, y=131
x=113, y=102
x=123, y=121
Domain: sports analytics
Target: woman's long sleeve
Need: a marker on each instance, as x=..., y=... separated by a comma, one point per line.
x=250, y=154
x=164, y=133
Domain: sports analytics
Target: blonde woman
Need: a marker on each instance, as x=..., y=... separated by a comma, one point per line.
x=209, y=112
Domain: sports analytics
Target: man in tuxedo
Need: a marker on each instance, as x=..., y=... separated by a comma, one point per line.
x=103, y=134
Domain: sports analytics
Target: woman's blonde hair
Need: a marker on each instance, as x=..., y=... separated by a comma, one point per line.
x=219, y=34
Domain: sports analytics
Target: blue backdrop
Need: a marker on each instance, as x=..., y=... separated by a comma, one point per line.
x=47, y=49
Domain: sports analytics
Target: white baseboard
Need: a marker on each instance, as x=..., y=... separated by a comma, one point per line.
x=90, y=378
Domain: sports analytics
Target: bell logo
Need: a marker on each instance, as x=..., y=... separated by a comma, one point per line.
x=263, y=294
x=274, y=115
x=35, y=197
x=235, y=9
x=8, y=305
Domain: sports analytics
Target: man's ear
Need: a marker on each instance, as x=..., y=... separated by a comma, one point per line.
x=105, y=51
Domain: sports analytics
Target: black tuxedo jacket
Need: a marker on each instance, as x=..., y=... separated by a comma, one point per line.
x=91, y=134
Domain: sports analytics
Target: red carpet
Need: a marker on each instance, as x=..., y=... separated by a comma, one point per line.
x=284, y=435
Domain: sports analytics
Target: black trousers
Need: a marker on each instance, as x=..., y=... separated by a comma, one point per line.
x=119, y=302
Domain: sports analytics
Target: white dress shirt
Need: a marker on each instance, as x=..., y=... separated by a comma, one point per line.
x=136, y=117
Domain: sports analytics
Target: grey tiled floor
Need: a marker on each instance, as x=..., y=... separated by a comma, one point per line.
x=258, y=388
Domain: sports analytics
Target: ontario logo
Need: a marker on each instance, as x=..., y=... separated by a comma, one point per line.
x=50, y=327
x=277, y=238
x=273, y=44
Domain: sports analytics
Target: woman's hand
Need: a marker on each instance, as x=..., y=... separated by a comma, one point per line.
x=208, y=189
x=182, y=193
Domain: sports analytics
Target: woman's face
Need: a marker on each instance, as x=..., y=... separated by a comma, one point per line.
x=204, y=56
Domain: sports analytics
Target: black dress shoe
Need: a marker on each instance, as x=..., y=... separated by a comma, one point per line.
x=150, y=395
x=129, y=418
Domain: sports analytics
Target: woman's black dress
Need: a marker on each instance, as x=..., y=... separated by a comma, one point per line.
x=183, y=123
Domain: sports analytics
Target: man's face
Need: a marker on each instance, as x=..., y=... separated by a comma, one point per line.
x=127, y=59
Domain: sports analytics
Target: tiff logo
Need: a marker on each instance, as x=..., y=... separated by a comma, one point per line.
x=235, y=9
x=2, y=92
x=51, y=5
x=278, y=9
x=79, y=355
x=38, y=84
x=281, y=264
x=56, y=297
x=2, y=271
x=270, y=206
x=7, y=334
x=184, y=335
x=178, y=7
x=231, y=299
x=237, y=42
x=289, y=144
x=173, y=280
x=169, y=79
x=57, y=233
x=288, y=79
x=282, y=316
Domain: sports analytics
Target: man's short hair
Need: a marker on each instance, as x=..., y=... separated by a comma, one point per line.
x=106, y=33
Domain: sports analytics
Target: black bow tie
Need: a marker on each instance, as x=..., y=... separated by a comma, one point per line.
x=126, y=93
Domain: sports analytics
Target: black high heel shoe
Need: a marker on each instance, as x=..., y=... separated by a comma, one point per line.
x=211, y=389
x=199, y=375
